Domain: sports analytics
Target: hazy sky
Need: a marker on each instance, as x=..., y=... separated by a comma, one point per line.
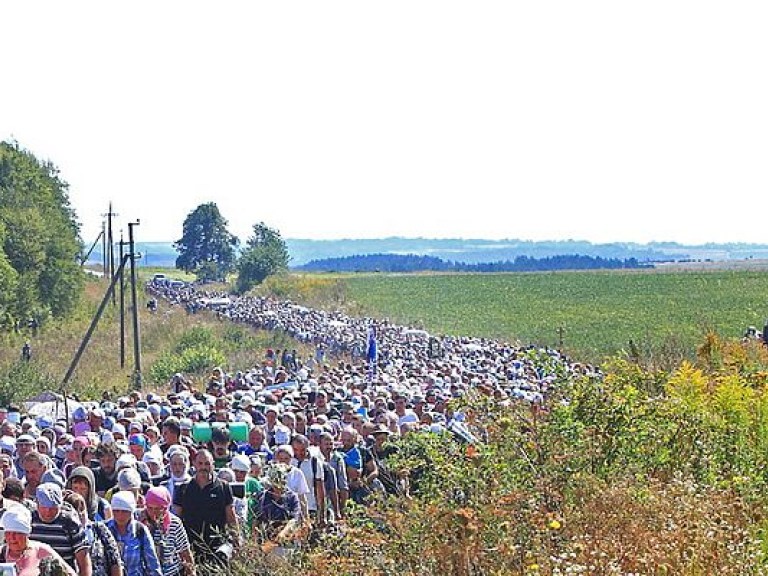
x=603, y=121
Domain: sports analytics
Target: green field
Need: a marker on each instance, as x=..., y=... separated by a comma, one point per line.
x=598, y=311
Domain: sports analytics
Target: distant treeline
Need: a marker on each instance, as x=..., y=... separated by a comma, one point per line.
x=417, y=263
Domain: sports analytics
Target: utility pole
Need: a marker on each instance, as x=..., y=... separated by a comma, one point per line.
x=110, y=256
x=104, y=263
x=87, y=254
x=122, y=303
x=136, y=341
x=86, y=339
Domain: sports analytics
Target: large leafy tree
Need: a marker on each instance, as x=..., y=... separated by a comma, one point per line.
x=265, y=254
x=39, y=239
x=206, y=247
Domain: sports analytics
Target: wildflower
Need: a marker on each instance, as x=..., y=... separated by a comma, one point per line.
x=555, y=525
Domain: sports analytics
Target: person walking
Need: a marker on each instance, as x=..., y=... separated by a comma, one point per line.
x=137, y=549
x=23, y=552
x=168, y=533
x=105, y=555
x=60, y=528
x=205, y=505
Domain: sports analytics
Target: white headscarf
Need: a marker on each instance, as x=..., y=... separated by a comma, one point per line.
x=17, y=519
x=174, y=481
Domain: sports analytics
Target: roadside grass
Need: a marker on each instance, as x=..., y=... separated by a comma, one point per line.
x=99, y=370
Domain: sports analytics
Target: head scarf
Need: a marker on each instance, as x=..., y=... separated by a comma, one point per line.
x=129, y=479
x=49, y=495
x=174, y=481
x=160, y=497
x=17, y=519
x=277, y=475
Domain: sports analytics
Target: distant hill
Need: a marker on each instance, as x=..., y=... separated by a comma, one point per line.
x=475, y=251
x=417, y=263
x=159, y=254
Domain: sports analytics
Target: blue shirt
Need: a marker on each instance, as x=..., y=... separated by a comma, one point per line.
x=136, y=549
x=264, y=451
x=275, y=512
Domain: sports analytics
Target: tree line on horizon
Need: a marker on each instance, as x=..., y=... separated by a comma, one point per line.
x=421, y=263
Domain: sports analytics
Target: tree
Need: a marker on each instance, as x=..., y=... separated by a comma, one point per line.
x=39, y=240
x=265, y=254
x=206, y=247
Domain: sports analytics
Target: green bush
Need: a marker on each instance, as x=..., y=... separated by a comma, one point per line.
x=197, y=336
x=195, y=360
x=23, y=380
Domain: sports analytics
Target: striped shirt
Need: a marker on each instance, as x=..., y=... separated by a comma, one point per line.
x=64, y=534
x=169, y=544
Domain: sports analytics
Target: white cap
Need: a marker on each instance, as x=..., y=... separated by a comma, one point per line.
x=125, y=461
x=240, y=463
x=123, y=500
x=17, y=519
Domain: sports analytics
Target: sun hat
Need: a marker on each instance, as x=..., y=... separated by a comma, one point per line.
x=381, y=429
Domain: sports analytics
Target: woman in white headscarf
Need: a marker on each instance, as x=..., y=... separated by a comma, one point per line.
x=26, y=554
x=178, y=469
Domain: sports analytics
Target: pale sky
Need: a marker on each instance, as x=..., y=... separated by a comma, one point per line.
x=538, y=120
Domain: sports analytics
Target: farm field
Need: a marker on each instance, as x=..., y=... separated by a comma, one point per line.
x=600, y=312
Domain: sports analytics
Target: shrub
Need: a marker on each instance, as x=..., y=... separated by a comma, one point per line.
x=194, y=360
x=22, y=380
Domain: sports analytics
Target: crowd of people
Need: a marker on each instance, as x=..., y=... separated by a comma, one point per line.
x=162, y=483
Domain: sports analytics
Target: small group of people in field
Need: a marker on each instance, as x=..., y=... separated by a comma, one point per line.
x=752, y=333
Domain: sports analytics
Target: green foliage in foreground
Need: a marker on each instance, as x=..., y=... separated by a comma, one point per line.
x=599, y=312
x=635, y=473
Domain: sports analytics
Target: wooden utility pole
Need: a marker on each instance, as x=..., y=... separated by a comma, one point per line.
x=86, y=339
x=134, y=302
x=122, y=302
x=104, y=262
x=110, y=255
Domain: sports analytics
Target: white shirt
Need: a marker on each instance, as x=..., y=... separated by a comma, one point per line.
x=297, y=483
x=309, y=477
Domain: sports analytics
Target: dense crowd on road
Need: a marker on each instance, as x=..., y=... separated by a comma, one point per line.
x=162, y=483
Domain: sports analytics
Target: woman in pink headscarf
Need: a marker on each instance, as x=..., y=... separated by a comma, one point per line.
x=168, y=532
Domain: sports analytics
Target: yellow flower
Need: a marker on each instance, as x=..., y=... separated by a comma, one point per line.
x=555, y=525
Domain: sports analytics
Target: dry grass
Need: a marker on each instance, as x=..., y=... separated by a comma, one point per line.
x=99, y=368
